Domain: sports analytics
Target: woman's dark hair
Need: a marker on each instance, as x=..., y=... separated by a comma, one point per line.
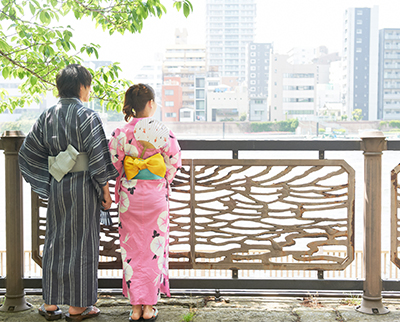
x=136, y=98
x=70, y=79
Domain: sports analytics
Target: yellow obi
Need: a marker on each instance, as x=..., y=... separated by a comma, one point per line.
x=154, y=164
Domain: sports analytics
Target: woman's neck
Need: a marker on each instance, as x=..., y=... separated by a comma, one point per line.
x=140, y=116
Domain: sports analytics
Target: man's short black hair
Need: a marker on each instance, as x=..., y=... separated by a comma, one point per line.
x=70, y=79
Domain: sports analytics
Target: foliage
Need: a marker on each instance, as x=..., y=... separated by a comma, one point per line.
x=189, y=316
x=383, y=124
x=320, y=130
x=243, y=117
x=357, y=114
x=344, y=117
x=281, y=126
x=394, y=123
x=339, y=131
x=23, y=125
x=34, y=45
x=353, y=300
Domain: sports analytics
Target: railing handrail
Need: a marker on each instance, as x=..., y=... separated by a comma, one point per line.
x=280, y=145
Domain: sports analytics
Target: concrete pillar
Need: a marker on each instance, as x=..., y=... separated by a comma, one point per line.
x=373, y=143
x=15, y=294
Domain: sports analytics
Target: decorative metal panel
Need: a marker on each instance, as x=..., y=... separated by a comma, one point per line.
x=395, y=219
x=254, y=214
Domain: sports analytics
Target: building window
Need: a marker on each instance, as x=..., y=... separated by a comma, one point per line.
x=358, y=50
x=358, y=40
x=169, y=103
x=359, y=31
x=200, y=82
x=185, y=114
x=359, y=12
x=169, y=92
x=200, y=105
x=359, y=22
x=200, y=93
x=170, y=114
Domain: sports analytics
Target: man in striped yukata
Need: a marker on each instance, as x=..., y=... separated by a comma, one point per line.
x=65, y=158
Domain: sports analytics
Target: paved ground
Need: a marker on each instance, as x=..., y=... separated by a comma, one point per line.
x=232, y=309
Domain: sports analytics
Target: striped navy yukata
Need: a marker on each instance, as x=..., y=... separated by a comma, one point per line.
x=71, y=248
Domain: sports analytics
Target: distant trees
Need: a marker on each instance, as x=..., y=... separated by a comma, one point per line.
x=34, y=47
x=357, y=114
x=279, y=126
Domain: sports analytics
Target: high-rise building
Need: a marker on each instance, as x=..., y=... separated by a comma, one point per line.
x=257, y=76
x=389, y=74
x=360, y=61
x=230, y=26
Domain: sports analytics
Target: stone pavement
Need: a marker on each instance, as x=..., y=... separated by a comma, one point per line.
x=232, y=309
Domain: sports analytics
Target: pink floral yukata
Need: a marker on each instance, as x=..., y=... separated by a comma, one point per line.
x=143, y=218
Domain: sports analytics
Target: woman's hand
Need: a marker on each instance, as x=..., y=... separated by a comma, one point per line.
x=107, y=201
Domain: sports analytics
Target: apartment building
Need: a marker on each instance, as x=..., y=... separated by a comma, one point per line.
x=389, y=74
x=230, y=26
x=184, y=60
x=171, y=99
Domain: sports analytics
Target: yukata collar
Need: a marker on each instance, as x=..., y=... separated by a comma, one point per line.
x=65, y=99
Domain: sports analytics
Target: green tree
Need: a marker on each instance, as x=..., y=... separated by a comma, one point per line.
x=357, y=114
x=33, y=47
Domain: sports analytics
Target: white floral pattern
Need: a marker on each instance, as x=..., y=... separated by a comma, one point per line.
x=157, y=245
x=163, y=221
x=123, y=202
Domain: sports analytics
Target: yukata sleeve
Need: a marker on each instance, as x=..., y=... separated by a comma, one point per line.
x=33, y=160
x=116, y=146
x=95, y=143
x=172, y=157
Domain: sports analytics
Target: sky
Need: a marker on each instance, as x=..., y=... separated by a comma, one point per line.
x=285, y=23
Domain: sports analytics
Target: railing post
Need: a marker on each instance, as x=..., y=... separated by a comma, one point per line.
x=373, y=143
x=15, y=294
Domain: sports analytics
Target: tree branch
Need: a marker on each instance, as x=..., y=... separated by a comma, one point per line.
x=25, y=68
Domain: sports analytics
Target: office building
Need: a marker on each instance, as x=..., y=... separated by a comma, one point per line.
x=292, y=88
x=360, y=61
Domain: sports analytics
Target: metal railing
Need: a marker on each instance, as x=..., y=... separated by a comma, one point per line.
x=354, y=270
x=242, y=196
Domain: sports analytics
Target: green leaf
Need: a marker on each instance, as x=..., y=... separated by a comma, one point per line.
x=186, y=9
x=33, y=80
x=178, y=5
x=33, y=9
x=5, y=72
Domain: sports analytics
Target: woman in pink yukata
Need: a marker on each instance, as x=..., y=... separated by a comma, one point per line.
x=142, y=195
